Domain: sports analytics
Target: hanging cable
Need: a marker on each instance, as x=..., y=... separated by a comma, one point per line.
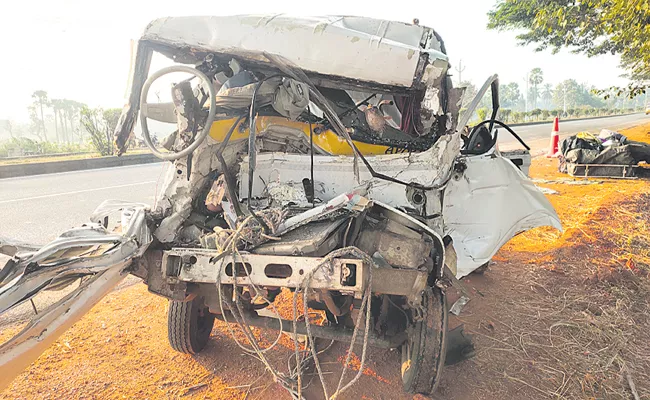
x=311, y=153
x=322, y=102
x=230, y=183
x=252, y=152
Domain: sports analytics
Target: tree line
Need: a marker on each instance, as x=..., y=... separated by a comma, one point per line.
x=544, y=100
x=60, y=126
x=591, y=27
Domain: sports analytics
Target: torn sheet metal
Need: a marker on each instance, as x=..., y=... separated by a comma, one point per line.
x=80, y=251
x=487, y=205
x=45, y=328
x=458, y=305
x=183, y=184
x=344, y=47
x=89, y=250
x=346, y=201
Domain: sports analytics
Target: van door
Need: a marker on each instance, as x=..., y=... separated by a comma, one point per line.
x=487, y=204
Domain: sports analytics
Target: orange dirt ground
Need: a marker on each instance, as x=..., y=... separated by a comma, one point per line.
x=557, y=315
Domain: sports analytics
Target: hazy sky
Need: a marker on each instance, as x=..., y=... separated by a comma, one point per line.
x=80, y=49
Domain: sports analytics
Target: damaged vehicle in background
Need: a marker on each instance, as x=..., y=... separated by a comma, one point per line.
x=323, y=156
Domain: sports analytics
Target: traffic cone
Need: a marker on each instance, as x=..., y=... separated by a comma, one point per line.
x=555, y=139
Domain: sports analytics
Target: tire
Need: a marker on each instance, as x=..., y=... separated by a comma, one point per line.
x=189, y=324
x=423, y=354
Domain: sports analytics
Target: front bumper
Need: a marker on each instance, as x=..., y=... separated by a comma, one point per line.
x=348, y=275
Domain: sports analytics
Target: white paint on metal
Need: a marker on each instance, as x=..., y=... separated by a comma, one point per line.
x=333, y=175
x=487, y=205
x=364, y=49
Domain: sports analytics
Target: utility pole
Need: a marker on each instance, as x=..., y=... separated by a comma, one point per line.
x=460, y=70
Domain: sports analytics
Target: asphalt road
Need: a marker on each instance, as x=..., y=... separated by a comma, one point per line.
x=37, y=208
x=538, y=136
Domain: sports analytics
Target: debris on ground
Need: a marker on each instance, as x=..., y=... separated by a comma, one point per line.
x=361, y=253
x=558, y=315
x=608, y=154
x=547, y=190
x=568, y=181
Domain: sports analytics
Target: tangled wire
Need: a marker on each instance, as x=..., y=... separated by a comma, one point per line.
x=293, y=380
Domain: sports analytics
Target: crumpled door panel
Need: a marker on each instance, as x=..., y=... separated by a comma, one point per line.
x=487, y=205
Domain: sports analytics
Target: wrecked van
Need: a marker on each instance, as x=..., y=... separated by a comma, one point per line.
x=326, y=157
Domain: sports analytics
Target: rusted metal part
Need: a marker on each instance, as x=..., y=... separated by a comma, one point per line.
x=344, y=275
x=315, y=239
x=326, y=295
x=402, y=282
x=398, y=245
x=203, y=266
x=216, y=194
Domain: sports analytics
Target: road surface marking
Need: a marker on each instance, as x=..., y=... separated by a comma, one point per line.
x=45, y=196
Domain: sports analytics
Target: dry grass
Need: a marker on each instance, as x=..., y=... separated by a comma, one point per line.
x=559, y=316
x=574, y=322
x=577, y=324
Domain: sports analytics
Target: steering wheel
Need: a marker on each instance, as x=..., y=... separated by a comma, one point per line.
x=144, y=107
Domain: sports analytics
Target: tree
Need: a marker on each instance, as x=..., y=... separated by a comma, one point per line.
x=536, y=113
x=100, y=125
x=482, y=114
x=71, y=114
x=545, y=114
x=509, y=95
x=586, y=96
x=35, y=127
x=590, y=27
x=566, y=94
x=504, y=114
x=535, y=78
x=470, y=93
x=57, y=107
x=547, y=95
x=8, y=126
x=41, y=100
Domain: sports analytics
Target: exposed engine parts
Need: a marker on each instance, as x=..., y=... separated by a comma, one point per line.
x=297, y=167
